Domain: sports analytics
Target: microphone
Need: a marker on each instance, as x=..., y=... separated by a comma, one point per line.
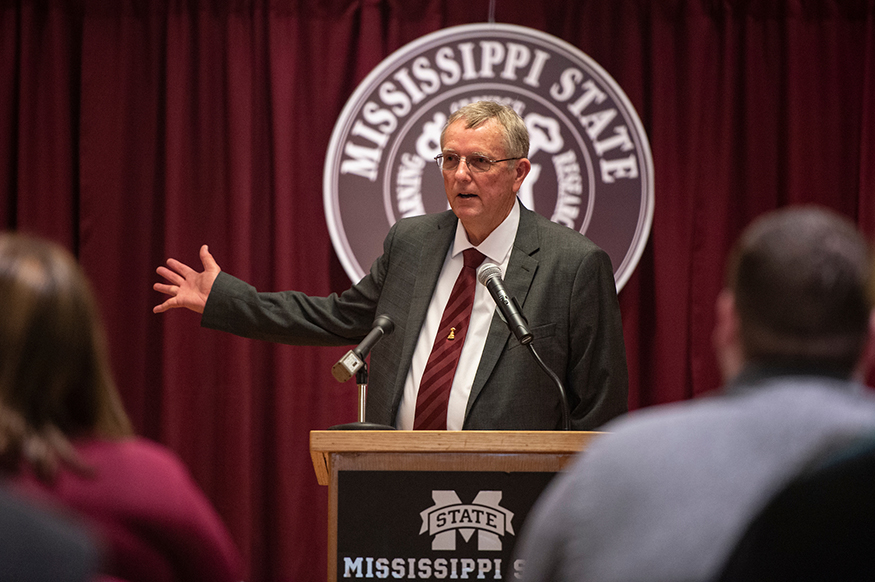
x=489, y=275
x=354, y=359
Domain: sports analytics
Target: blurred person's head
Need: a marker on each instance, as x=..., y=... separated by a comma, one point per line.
x=796, y=293
x=55, y=379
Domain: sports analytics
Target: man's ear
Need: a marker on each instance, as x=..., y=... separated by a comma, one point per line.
x=727, y=335
x=522, y=169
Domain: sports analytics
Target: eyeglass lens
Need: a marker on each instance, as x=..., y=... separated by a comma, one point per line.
x=478, y=163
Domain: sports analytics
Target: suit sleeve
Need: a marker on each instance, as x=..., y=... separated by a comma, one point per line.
x=292, y=317
x=597, y=375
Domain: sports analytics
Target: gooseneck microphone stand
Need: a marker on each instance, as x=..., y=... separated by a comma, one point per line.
x=354, y=363
x=361, y=378
x=566, y=413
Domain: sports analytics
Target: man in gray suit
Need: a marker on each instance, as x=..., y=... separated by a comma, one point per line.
x=666, y=494
x=562, y=280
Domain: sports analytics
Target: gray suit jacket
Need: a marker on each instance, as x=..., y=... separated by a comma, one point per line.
x=563, y=282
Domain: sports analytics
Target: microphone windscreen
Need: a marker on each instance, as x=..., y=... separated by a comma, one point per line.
x=384, y=323
x=486, y=271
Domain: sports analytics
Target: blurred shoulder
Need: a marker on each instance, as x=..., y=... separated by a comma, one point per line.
x=136, y=454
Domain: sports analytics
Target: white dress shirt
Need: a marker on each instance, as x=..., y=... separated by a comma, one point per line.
x=496, y=248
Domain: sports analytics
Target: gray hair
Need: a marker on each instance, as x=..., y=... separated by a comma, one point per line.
x=516, y=136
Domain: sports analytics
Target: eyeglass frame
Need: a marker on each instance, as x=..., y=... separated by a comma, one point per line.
x=492, y=162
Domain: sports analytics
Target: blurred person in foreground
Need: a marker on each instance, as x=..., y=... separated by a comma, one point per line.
x=66, y=441
x=37, y=545
x=666, y=494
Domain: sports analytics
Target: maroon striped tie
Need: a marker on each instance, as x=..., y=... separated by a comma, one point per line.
x=434, y=388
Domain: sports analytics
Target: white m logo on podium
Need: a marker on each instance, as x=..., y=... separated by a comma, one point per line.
x=449, y=515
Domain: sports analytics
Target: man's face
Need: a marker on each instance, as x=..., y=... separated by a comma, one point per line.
x=481, y=200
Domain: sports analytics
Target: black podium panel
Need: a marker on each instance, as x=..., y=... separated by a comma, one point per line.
x=432, y=525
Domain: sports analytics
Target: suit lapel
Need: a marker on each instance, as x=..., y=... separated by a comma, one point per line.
x=436, y=240
x=521, y=270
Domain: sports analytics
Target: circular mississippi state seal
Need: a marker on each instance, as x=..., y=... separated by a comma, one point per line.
x=591, y=164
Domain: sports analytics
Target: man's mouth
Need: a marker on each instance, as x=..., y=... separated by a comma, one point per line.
x=466, y=195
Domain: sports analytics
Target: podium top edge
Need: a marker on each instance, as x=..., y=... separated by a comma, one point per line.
x=473, y=441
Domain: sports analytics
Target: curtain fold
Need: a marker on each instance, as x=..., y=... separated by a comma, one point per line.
x=133, y=131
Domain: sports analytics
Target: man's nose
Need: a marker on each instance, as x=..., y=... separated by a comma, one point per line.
x=467, y=170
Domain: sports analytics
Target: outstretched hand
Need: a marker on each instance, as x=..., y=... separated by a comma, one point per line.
x=187, y=288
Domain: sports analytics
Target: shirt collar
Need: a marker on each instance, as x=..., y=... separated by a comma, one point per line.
x=498, y=244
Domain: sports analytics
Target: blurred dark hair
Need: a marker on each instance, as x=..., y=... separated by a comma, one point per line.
x=55, y=379
x=799, y=276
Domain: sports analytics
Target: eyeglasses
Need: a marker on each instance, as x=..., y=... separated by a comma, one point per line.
x=477, y=163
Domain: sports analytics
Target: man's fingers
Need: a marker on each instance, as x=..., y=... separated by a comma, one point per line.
x=166, y=289
x=171, y=303
x=207, y=259
x=171, y=276
x=184, y=284
x=181, y=268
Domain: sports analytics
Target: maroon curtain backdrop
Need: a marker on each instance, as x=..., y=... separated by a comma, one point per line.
x=131, y=131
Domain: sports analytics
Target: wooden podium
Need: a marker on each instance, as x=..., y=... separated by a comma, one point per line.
x=406, y=504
